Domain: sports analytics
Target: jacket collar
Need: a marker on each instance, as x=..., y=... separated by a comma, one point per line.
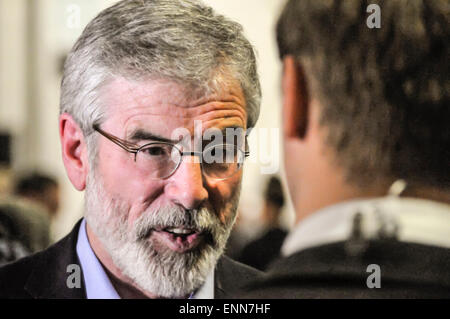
x=51, y=269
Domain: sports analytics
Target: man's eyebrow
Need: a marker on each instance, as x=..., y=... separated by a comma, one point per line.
x=140, y=134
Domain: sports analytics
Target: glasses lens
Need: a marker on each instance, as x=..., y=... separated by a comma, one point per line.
x=158, y=160
x=222, y=161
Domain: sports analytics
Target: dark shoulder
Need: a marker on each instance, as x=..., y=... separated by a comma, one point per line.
x=407, y=271
x=232, y=267
x=13, y=276
x=41, y=272
x=231, y=276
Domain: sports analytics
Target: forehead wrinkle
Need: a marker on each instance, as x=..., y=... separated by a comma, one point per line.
x=206, y=111
x=138, y=94
x=152, y=101
x=221, y=124
x=211, y=103
x=207, y=122
x=174, y=93
x=223, y=115
x=224, y=97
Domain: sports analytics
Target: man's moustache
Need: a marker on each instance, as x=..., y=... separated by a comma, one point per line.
x=159, y=221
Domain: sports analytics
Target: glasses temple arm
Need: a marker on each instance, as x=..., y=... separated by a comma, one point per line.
x=127, y=146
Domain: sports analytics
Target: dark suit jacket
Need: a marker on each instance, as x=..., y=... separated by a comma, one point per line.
x=329, y=271
x=262, y=251
x=44, y=275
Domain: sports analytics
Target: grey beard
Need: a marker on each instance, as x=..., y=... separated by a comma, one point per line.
x=153, y=268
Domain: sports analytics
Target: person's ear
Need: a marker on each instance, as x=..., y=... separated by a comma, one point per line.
x=74, y=151
x=296, y=99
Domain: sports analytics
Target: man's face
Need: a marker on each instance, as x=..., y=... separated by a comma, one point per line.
x=139, y=219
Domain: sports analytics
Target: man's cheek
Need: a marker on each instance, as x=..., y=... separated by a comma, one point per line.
x=143, y=205
x=135, y=212
x=224, y=197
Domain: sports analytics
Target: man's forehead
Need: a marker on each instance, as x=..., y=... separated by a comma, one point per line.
x=121, y=94
x=165, y=105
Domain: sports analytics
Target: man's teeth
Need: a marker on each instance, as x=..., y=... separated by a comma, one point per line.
x=181, y=231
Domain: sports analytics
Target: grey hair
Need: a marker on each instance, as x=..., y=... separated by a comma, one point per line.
x=183, y=41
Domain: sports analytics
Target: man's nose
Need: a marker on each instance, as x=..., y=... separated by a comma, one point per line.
x=186, y=186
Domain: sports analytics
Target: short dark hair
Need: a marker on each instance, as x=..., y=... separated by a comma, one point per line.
x=34, y=183
x=384, y=92
x=274, y=192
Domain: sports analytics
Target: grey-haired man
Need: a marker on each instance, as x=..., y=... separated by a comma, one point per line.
x=137, y=83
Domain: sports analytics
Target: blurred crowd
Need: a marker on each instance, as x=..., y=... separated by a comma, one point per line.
x=28, y=204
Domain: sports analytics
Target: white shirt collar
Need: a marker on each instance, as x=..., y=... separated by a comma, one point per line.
x=207, y=290
x=418, y=221
x=97, y=283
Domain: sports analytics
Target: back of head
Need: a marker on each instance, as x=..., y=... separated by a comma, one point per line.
x=384, y=92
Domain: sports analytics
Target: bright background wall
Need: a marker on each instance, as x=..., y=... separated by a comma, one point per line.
x=34, y=37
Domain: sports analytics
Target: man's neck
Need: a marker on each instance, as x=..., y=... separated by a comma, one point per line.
x=124, y=289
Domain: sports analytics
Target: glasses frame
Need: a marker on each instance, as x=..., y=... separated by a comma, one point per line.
x=135, y=149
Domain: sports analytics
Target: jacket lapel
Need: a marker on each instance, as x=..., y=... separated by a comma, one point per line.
x=48, y=280
x=231, y=277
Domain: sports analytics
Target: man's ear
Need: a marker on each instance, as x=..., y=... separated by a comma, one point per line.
x=74, y=151
x=296, y=99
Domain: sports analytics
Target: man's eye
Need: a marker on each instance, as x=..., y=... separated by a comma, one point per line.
x=156, y=151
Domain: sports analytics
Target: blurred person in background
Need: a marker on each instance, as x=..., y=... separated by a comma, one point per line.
x=24, y=226
x=156, y=218
x=24, y=222
x=367, y=150
x=260, y=252
x=11, y=249
x=41, y=189
x=5, y=163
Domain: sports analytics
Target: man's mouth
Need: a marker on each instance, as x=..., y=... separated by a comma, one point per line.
x=178, y=239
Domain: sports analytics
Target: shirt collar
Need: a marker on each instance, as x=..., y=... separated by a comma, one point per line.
x=416, y=220
x=207, y=290
x=97, y=283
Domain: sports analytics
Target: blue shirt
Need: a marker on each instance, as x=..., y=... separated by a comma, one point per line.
x=97, y=283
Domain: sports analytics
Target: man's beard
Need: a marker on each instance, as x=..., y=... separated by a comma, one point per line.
x=151, y=266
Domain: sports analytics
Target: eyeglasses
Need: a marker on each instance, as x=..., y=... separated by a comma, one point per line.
x=161, y=159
